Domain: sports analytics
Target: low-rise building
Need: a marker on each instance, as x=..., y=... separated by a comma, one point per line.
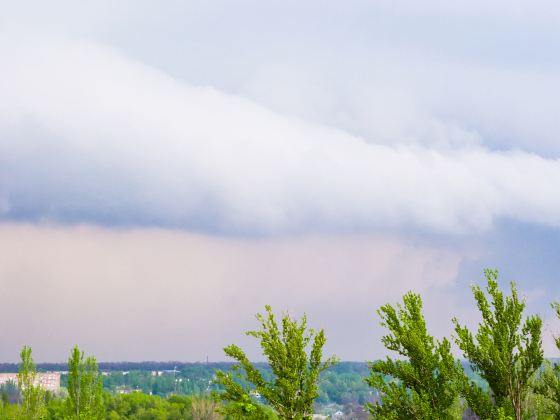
x=49, y=381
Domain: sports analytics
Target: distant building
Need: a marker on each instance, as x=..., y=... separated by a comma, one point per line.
x=48, y=381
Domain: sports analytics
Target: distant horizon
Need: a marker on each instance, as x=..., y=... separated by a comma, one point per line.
x=3, y=365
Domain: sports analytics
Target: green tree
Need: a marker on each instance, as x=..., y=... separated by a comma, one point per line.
x=295, y=374
x=5, y=398
x=548, y=383
x=505, y=351
x=10, y=412
x=85, y=388
x=32, y=395
x=425, y=384
x=139, y=406
x=203, y=408
x=56, y=409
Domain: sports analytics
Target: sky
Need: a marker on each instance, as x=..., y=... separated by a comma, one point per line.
x=168, y=168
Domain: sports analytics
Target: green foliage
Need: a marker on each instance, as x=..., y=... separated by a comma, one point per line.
x=295, y=374
x=142, y=381
x=10, y=412
x=190, y=380
x=504, y=352
x=425, y=384
x=85, y=388
x=548, y=386
x=341, y=384
x=548, y=383
x=138, y=406
x=56, y=409
x=245, y=407
x=203, y=408
x=345, y=386
x=540, y=406
x=32, y=395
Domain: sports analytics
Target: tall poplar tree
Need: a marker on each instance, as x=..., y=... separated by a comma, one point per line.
x=32, y=395
x=424, y=384
x=85, y=388
x=294, y=385
x=505, y=351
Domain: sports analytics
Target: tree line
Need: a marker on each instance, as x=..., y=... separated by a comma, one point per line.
x=84, y=398
x=425, y=381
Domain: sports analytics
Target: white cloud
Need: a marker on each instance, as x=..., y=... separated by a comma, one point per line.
x=88, y=134
x=415, y=95
x=390, y=72
x=268, y=118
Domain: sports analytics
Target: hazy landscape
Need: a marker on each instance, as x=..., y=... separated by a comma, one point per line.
x=229, y=209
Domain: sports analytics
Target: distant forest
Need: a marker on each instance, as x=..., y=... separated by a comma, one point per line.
x=343, y=383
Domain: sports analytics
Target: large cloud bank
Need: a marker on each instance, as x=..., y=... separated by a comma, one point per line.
x=293, y=153
x=87, y=134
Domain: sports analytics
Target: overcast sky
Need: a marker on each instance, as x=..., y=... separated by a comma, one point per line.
x=168, y=168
